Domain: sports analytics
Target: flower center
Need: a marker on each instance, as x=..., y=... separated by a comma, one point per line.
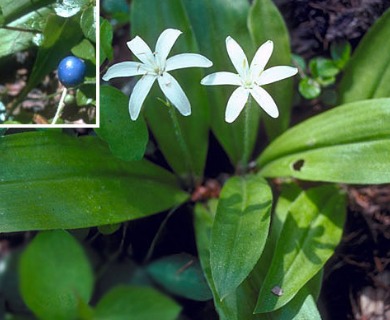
x=158, y=65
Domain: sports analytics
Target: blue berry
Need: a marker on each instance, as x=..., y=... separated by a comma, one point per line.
x=71, y=71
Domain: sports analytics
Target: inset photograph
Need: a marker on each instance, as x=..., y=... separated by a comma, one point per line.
x=48, y=64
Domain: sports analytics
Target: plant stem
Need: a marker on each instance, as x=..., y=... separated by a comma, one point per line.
x=158, y=234
x=246, y=151
x=182, y=143
x=60, y=107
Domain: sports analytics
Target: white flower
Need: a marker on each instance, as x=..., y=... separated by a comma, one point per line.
x=155, y=66
x=249, y=79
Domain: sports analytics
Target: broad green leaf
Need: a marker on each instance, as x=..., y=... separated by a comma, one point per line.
x=88, y=23
x=60, y=36
x=212, y=22
x=76, y=183
x=194, y=129
x=241, y=303
x=367, y=74
x=181, y=275
x=85, y=50
x=239, y=231
x=266, y=23
x=302, y=307
x=55, y=275
x=13, y=41
x=347, y=144
x=106, y=34
x=308, y=238
x=131, y=302
x=127, y=138
x=14, y=9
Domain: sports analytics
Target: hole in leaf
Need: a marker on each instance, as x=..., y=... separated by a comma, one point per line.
x=297, y=165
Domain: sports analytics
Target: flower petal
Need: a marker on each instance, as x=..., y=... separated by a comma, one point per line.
x=222, y=78
x=237, y=56
x=187, y=60
x=141, y=50
x=236, y=103
x=165, y=42
x=275, y=74
x=265, y=101
x=174, y=93
x=261, y=58
x=138, y=96
x=124, y=69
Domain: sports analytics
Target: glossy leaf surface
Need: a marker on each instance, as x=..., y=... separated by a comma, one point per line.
x=347, y=144
x=55, y=276
x=63, y=182
x=127, y=139
x=181, y=275
x=239, y=231
x=88, y=23
x=367, y=74
x=308, y=238
x=141, y=303
x=12, y=40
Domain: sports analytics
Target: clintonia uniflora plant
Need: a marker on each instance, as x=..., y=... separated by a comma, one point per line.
x=251, y=266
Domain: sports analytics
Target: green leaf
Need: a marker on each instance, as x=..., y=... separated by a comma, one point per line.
x=308, y=238
x=341, y=53
x=181, y=275
x=309, y=88
x=212, y=22
x=60, y=36
x=14, y=41
x=131, y=302
x=86, y=95
x=239, y=231
x=76, y=183
x=85, y=50
x=266, y=23
x=55, y=276
x=88, y=23
x=241, y=303
x=301, y=307
x=348, y=144
x=321, y=67
x=127, y=138
x=194, y=129
x=367, y=74
x=106, y=34
x=14, y=9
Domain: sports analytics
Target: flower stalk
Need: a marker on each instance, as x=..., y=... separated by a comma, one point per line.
x=60, y=107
